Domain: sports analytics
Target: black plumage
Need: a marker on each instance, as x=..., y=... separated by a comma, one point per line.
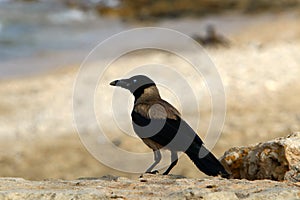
x=159, y=125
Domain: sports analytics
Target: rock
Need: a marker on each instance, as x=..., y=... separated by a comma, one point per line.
x=212, y=38
x=278, y=159
x=155, y=187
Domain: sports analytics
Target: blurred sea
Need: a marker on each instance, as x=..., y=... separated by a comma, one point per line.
x=39, y=36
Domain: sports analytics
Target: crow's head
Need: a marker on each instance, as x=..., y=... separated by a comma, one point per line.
x=136, y=84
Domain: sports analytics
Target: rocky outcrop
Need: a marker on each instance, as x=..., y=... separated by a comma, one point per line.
x=147, y=187
x=149, y=9
x=278, y=159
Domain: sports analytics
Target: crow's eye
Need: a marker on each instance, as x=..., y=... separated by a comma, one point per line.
x=134, y=81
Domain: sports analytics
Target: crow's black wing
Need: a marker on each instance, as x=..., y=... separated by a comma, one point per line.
x=161, y=122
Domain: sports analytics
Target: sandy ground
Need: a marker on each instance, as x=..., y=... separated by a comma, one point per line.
x=148, y=187
x=260, y=72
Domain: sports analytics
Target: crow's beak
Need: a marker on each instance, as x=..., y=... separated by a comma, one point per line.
x=123, y=83
x=114, y=83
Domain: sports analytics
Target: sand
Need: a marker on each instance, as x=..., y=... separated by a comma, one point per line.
x=260, y=72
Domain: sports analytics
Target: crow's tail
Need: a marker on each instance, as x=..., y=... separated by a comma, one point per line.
x=206, y=161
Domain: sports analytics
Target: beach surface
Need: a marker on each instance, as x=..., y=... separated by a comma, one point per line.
x=260, y=72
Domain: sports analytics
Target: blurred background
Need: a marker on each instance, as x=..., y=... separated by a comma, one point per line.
x=255, y=45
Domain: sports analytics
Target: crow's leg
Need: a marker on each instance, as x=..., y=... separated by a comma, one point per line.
x=157, y=159
x=174, y=159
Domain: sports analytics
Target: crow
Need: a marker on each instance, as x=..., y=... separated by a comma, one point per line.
x=160, y=125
